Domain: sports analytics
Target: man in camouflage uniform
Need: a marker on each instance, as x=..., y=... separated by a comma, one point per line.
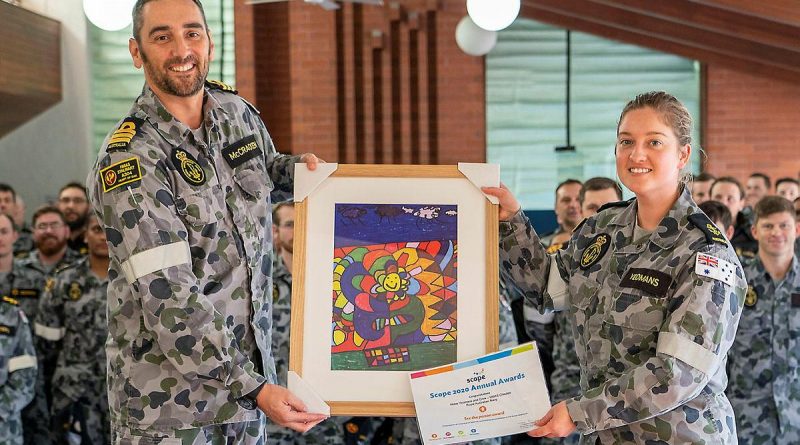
x=75, y=308
x=566, y=377
x=654, y=315
x=12, y=205
x=73, y=201
x=17, y=370
x=765, y=358
x=183, y=188
x=26, y=284
x=17, y=355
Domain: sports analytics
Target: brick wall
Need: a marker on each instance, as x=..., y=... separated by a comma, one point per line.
x=752, y=124
x=364, y=84
x=389, y=85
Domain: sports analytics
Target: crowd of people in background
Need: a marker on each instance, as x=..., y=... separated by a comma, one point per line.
x=53, y=279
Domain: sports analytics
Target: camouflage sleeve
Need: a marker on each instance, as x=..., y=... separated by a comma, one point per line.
x=18, y=389
x=142, y=224
x=539, y=327
x=524, y=261
x=280, y=168
x=693, y=340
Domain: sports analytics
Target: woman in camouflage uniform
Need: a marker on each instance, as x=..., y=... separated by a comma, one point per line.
x=654, y=291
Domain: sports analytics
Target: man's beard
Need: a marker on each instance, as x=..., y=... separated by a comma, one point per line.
x=169, y=85
x=48, y=248
x=78, y=224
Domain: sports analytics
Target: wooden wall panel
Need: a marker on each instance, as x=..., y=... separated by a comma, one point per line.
x=30, y=65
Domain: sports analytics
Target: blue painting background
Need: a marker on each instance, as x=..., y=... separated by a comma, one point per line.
x=367, y=224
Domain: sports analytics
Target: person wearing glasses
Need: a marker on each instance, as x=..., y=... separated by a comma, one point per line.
x=73, y=201
x=26, y=283
x=74, y=309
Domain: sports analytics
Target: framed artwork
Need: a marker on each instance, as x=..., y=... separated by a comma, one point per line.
x=395, y=270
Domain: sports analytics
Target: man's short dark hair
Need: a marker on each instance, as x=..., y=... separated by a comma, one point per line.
x=137, y=17
x=770, y=205
x=717, y=211
x=10, y=220
x=703, y=177
x=786, y=179
x=729, y=180
x=7, y=188
x=44, y=210
x=567, y=182
x=74, y=185
x=763, y=176
x=276, y=217
x=600, y=183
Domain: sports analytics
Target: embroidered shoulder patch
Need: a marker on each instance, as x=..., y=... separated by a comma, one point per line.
x=716, y=268
x=121, y=173
x=122, y=136
x=712, y=233
x=241, y=151
x=188, y=167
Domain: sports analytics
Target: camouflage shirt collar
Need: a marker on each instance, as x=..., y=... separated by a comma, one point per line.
x=32, y=260
x=670, y=227
x=149, y=107
x=756, y=272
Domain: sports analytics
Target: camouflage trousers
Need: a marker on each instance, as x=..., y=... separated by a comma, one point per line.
x=36, y=416
x=11, y=430
x=244, y=433
x=329, y=432
x=85, y=421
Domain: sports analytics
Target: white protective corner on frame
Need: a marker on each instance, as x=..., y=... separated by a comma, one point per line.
x=303, y=391
x=482, y=175
x=306, y=181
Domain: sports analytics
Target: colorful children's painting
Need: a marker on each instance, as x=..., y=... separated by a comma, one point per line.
x=394, y=287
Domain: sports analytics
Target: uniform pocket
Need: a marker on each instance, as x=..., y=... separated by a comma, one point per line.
x=254, y=184
x=634, y=310
x=198, y=209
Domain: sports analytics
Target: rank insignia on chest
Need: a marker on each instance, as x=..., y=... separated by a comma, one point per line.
x=75, y=291
x=48, y=286
x=751, y=297
x=241, y=151
x=24, y=293
x=7, y=330
x=188, y=167
x=595, y=251
x=795, y=300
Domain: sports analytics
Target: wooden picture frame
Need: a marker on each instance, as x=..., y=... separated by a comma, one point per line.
x=338, y=201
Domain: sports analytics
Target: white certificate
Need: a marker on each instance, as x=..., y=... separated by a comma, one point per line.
x=495, y=395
